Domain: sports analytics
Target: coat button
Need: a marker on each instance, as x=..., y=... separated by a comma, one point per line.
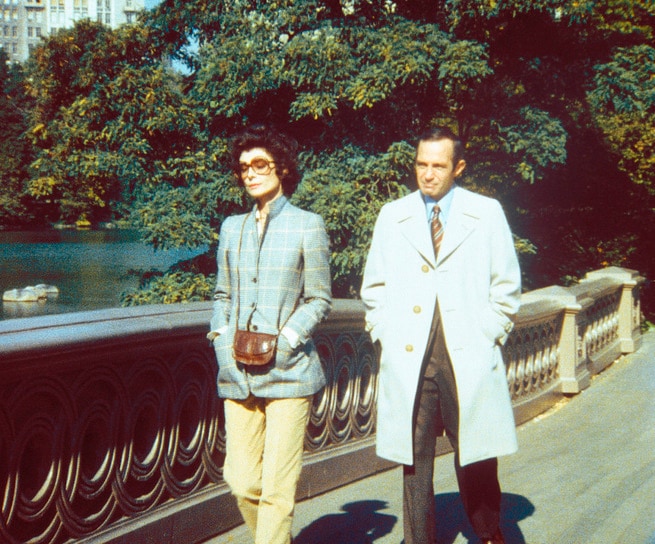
x=254, y=328
x=417, y=309
x=425, y=268
x=409, y=348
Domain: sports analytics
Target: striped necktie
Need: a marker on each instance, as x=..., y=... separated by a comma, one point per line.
x=437, y=230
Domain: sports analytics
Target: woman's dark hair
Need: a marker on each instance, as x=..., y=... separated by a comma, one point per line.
x=442, y=133
x=281, y=147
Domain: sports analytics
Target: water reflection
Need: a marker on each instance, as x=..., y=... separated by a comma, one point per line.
x=23, y=309
x=91, y=268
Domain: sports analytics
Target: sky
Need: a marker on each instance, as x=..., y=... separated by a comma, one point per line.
x=151, y=3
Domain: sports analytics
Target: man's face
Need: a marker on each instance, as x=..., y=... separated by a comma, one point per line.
x=435, y=172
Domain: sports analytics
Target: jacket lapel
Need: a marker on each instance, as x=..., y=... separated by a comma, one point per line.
x=462, y=221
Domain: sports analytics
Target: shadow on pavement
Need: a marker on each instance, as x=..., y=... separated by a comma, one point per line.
x=452, y=520
x=361, y=523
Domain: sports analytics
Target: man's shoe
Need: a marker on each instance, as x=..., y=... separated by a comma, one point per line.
x=497, y=539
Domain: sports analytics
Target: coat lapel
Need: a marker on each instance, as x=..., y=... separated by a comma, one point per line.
x=462, y=221
x=413, y=224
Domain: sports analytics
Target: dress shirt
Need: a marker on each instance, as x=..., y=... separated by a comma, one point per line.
x=444, y=206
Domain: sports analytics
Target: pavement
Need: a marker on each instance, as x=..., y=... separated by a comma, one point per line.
x=584, y=474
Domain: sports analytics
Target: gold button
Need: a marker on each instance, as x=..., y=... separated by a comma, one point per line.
x=409, y=348
x=425, y=268
x=417, y=309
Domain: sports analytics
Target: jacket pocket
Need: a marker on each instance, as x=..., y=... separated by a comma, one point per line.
x=286, y=356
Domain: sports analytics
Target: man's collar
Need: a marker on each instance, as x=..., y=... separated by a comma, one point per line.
x=444, y=202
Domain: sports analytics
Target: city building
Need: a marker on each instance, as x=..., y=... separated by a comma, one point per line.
x=23, y=23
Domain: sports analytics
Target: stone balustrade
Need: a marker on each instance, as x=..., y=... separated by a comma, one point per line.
x=111, y=431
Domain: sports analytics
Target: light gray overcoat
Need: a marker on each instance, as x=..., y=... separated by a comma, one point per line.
x=477, y=283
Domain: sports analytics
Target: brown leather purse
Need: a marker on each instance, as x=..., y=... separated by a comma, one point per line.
x=254, y=348
x=249, y=347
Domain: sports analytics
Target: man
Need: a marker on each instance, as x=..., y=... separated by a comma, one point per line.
x=441, y=287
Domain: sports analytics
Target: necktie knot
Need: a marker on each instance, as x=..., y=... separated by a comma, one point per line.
x=437, y=230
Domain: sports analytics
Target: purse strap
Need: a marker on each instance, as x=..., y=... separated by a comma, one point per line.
x=243, y=226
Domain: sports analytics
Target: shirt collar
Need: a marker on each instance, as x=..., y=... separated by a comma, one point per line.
x=274, y=207
x=444, y=203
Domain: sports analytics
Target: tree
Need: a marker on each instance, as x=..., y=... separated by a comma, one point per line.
x=552, y=98
x=354, y=86
x=623, y=105
x=108, y=115
x=14, y=147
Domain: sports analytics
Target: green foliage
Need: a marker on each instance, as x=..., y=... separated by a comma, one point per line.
x=14, y=147
x=172, y=288
x=115, y=132
x=623, y=102
x=347, y=188
x=536, y=142
x=126, y=118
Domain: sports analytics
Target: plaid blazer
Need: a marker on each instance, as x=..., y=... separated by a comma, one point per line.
x=281, y=281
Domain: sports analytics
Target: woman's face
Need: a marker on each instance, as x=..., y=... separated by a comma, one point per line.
x=259, y=175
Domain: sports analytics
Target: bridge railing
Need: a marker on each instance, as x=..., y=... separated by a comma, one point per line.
x=111, y=431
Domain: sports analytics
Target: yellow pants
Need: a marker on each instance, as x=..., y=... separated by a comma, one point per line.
x=264, y=446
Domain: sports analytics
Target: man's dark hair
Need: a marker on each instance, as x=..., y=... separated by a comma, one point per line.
x=443, y=133
x=281, y=147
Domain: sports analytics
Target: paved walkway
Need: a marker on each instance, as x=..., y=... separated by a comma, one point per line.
x=584, y=474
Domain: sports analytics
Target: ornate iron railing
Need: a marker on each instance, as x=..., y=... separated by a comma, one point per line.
x=111, y=431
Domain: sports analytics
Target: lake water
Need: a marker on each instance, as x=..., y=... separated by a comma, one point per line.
x=90, y=268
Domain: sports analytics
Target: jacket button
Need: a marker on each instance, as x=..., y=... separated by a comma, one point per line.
x=425, y=268
x=417, y=309
x=254, y=328
x=409, y=348
x=254, y=280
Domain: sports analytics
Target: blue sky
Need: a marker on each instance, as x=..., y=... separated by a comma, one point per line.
x=151, y=3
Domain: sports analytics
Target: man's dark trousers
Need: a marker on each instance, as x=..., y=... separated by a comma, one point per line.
x=437, y=411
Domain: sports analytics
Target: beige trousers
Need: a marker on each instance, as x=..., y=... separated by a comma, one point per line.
x=264, y=446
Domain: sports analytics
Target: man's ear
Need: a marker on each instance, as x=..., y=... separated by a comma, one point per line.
x=459, y=167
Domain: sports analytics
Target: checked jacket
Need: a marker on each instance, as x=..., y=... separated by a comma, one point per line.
x=282, y=280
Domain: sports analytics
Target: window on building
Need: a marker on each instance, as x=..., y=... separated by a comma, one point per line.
x=80, y=9
x=57, y=13
x=37, y=31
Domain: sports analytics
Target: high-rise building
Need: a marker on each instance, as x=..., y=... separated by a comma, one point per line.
x=24, y=22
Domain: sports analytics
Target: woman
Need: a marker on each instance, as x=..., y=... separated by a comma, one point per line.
x=273, y=277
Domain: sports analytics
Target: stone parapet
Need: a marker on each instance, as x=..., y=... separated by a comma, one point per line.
x=111, y=430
